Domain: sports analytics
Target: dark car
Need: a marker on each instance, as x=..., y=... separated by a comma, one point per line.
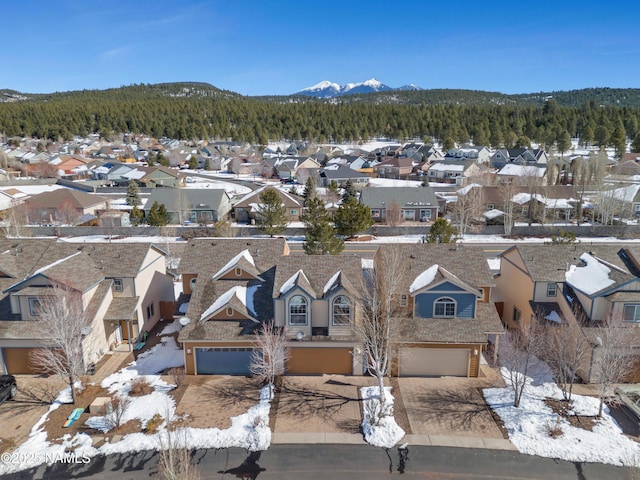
x=8, y=388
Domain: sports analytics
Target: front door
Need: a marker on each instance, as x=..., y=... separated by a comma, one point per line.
x=124, y=330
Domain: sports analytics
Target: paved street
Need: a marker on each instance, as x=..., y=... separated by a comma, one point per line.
x=310, y=462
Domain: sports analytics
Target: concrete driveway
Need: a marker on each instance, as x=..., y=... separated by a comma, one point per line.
x=450, y=406
x=17, y=416
x=319, y=404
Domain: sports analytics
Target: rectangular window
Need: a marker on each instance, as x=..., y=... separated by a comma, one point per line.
x=404, y=300
x=552, y=289
x=490, y=206
x=375, y=212
x=525, y=209
x=425, y=215
x=293, y=211
x=517, y=315
x=118, y=285
x=34, y=306
x=631, y=313
x=149, y=311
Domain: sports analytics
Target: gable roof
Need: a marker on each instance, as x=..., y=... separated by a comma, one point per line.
x=317, y=274
x=465, y=265
x=210, y=255
x=190, y=198
x=375, y=197
x=287, y=199
x=61, y=196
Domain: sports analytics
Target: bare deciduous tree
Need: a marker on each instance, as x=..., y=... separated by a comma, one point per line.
x=393, y=213
x=382, y=312
x=16, y=218
x=517, y=352
x=270, y=355
x=507, y=191
x=612, y=359
x=468, y=205
x=565, y=349
x=175, y=460
x=115, y=410
x=62, y=323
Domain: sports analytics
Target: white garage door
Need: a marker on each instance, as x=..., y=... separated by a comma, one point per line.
x=433, y=362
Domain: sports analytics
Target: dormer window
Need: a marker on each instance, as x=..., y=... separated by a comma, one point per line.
x=444, y=307
x=34, y=306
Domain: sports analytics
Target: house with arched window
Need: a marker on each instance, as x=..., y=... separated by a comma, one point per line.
x=450, y=317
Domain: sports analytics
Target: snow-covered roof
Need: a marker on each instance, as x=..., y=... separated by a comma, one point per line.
x=591, y=278
x=466, y=189
x=238, y=291
x=446, y=167
x=331, y=283
x=554, y=317
x=494, y=213
x=424, y=279
x=134, y=174
x=243, y=254
x=514, y=169
x=292, y=281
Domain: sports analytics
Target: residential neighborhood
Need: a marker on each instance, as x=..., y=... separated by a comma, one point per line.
x=187, y=261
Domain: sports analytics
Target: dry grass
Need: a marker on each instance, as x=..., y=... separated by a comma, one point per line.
x=7, y=445
x=140, y=387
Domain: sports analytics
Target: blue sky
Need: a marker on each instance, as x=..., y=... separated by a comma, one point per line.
x=262, y=47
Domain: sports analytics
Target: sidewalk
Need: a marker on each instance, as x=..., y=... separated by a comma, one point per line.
x=427, y=440
x=112, y=365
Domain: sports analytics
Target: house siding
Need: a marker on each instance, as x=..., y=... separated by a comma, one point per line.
x=465, y=304
x=152, y=285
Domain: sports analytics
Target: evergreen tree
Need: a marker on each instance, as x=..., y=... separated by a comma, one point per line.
x=133, y=194
x=136, y=215
x=352, y=217
x=193, y=163
x=320, y=236
x=271, y=217
x=158, y=215
x=334, y=187
x=619, y=139
x=635, y=145
x=309, y=191
x=349, y=191
x=162, y=160
x=442, y=231
x=563, y=142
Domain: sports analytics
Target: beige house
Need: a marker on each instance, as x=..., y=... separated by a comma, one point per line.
x=570, y=284
x=124, y=289
x=245, y=209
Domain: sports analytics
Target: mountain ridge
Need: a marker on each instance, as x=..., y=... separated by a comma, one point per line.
x=328, y=89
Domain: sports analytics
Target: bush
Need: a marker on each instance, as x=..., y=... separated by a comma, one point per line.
x=140, y=387
x=554, y=429
x=154, y=424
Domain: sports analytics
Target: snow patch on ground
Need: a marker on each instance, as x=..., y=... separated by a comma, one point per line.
x=387, y=433
x=528, y=424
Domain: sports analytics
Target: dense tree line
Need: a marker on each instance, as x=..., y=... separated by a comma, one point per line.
x=228, y=116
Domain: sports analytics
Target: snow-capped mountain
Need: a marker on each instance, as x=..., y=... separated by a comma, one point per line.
x=328, y=89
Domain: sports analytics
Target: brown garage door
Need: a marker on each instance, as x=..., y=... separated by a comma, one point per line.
x=17, y=360
x=433, y=362
x=317, y=361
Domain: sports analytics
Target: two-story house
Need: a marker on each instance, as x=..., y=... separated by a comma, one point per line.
x=570, y=284
x=124, y=288
x=244, y=284
x=451, y=319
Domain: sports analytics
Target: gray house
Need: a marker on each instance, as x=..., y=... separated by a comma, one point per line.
x=409, y=204
x=191, y=205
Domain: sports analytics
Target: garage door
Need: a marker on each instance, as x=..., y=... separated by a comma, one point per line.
x=433, y=362
x=317, y=361
x=18, y=360
x=223, y=361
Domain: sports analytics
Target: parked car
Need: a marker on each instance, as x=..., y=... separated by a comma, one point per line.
x=629, y=396
x=8, y=388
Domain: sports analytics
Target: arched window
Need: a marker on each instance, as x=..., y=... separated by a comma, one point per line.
x=192, y=283
x=298, y=310
x=444, y=307
x=341, y=310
